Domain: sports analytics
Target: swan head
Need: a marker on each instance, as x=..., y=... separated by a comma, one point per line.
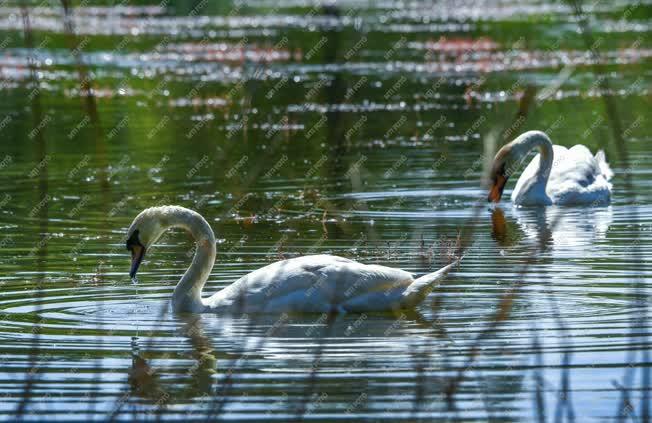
x=499, y=175
x=144, y=231
x=509, y=158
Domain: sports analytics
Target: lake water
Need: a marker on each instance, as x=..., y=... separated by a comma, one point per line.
x=359, y=129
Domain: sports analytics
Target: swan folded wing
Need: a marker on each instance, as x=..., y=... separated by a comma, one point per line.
x=255, y=290
x=340, y=286
x=359, y=280
x=309, y=283
x=577, y=177
x=575, y=165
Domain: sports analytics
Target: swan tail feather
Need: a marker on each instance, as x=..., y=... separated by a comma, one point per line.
x=605, y=169
x=418, y=290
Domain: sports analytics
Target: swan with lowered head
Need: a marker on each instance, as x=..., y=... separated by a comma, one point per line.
x=315, y=283
x=557, y=175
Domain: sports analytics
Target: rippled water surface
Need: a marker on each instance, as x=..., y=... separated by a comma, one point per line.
x=352, y=128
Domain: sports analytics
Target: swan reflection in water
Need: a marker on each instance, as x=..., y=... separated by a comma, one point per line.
x=291, y=341
x=561, y=251
x=560, y=230
x=144, y=379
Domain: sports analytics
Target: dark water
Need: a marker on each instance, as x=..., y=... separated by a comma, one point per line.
x=358, y=129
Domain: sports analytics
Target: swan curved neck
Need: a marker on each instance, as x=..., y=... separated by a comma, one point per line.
x=526, y=142
x=187, y=294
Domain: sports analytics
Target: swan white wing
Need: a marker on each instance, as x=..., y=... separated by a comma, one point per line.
x=578, y=177
x=310, y=283
x=575, y=166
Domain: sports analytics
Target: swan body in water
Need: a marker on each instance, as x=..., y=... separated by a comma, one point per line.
x=557, y=175
x=315, y=283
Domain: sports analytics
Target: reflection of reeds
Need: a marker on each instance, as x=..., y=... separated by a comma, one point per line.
x=90, y=108
x=564, y=401
x=419, y=359
x=221, y=396
x=124, y=398
x=504, y=311
x=603, y=81
x=639, y=306
x=486, y=400
x=86, y=89
x=539, y=382
x=564, y=405
x=507, y=300
x=37, y=117
x=505, y=305
x=312, y=376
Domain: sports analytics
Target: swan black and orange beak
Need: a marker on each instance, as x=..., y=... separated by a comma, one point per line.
x=137, y=253
x=497, y=187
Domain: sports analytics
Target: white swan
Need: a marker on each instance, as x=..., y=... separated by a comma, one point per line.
x=317, y=283
x=556, y=175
